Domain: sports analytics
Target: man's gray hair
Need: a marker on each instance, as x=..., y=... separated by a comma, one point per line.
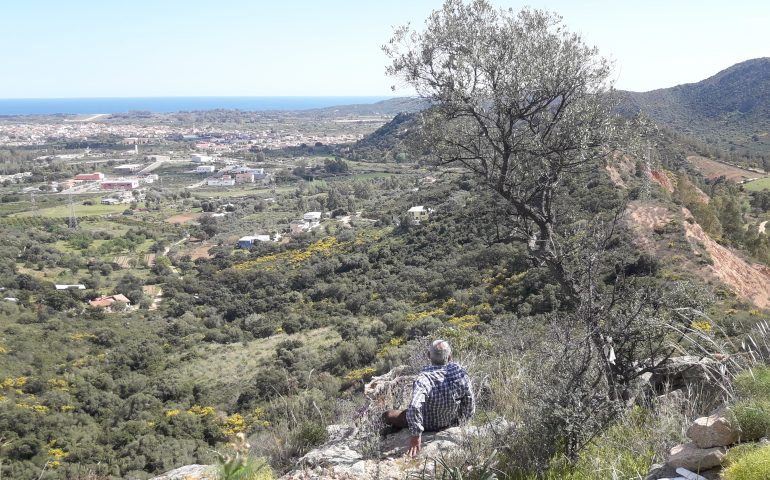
x=439, y=352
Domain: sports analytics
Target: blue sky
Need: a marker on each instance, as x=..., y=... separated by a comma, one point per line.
x=89, y=48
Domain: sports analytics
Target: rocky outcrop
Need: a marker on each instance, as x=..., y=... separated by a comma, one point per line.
x=354, y=453
x=190, y=472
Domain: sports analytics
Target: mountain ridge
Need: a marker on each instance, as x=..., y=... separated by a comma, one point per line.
x=729, y=110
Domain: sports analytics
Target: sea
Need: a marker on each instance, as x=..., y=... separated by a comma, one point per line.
x=51, y=106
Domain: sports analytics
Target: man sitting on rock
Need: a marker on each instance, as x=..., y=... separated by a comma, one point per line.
x=442, y=397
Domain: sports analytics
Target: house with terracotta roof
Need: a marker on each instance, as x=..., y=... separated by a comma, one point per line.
x=106, y=302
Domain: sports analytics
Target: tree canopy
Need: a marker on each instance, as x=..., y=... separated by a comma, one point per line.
x=516, y=98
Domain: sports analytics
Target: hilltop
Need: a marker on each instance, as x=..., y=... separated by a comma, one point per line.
x=729, y=110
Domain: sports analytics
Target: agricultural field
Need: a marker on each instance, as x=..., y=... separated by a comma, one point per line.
x=63, y=211
x=712, y=169
x=757, y=185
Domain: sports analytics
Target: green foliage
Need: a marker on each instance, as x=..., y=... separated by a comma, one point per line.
x=625, y=450
x=754, y=383
x=753, y=417
x=752, y=464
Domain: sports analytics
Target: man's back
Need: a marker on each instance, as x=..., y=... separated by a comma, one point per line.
x=442, y=397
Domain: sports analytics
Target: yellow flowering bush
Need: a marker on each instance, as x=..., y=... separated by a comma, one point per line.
x=172, y=413
x=359, y=373
x=324, y=247
x=201, y=411
x=234, y=424
x=465, y=322
x=701, y=325
x=56, y=454
x=58, y=384
x=257, y=418
x=393, y=343
x=415, y=316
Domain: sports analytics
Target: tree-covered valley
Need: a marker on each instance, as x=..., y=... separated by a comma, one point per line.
x=582, y=259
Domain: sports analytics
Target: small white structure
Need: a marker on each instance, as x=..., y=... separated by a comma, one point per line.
x=223, y=181
x=129, y=167
x=419, y=213
x=312, y=217
x=249, y=240
x=76, y=286
x=205, y=169
x=297, y=227
x=199, y=158
x=158, y=158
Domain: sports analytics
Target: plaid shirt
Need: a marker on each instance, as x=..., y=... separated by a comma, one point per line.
x=442, y=397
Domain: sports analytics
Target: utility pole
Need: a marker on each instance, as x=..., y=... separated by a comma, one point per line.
x=73, y=221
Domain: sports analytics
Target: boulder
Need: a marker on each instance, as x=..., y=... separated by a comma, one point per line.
x=695, y=459
x=680, y=372
x=190, y=472
x=717, y=430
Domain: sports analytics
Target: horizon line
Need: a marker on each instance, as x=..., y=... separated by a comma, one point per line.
x=208, y=96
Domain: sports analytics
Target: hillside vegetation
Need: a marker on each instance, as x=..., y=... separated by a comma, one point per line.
x=729, y=111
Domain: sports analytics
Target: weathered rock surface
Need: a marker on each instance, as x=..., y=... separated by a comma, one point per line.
x=695, y=459
x=350, y=454
x=190, y=472
x=717, y=430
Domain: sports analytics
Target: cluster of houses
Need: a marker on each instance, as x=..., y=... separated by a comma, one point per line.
x=128, y=183
x=15, y=177
x=310, y=220
x=232, y=175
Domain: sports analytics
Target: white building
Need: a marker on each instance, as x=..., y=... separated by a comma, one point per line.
x=312, y=217
x=205, y=169
x=419, y=213
x=199, y=158
x=223, y=181
x=67, y=287
x=129, y=167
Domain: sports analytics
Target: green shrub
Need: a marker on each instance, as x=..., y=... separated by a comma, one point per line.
x=753, y=465
x=754, y=383
x=739, y=451
x=309, y=435
x=754, y=418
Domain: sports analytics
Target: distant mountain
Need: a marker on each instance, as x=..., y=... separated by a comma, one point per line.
x=389, y=142
x=389, y=107
x=730, y=110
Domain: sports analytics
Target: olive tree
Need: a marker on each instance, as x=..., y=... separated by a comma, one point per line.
x=516, y=98
x=529, y=108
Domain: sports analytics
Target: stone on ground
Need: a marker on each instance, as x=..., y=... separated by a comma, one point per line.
x=717, y=430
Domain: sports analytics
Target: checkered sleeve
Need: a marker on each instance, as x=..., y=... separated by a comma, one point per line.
x=467, y=401
x=414, y=411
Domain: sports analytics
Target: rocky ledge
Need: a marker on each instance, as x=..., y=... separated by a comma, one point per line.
x=350, y=453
